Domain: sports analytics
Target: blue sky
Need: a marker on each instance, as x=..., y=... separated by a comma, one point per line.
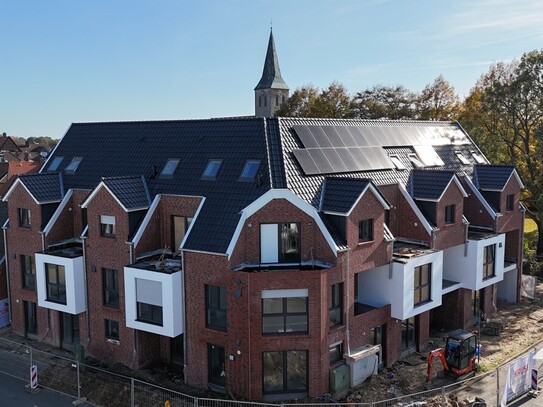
x=64, y=61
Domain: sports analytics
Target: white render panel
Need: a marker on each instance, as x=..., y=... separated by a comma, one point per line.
x=76, y=295
x=269, y=243
x=381, y=286
x=173, y=302
x=301, y=292
x=464, y=263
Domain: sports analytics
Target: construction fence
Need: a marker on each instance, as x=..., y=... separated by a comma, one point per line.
x=100, y=387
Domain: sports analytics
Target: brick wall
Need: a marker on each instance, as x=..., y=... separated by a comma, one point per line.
x=452, y=234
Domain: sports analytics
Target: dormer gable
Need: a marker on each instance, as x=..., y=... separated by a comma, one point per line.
x=131, y=193
x=500, y=186
x=43, y=188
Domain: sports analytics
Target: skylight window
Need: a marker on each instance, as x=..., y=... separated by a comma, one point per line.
x=169, y=167
x=397, y=163
x=74, y=164
x=478, y=157
x=55, y=163
x=415, y=161
x=428, y=156
x=212, y=169
x=250, y=169
x=462, y=158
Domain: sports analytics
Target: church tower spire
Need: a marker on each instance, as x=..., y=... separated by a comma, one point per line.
x=271, y=91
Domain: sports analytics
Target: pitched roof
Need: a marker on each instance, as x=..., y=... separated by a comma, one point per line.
x=429, y=184
x=492, y=177
x=132, y=192
x=341, y=194
x=45, y=188
x=271, y=75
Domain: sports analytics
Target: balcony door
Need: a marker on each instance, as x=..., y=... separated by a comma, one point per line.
x=215, y=363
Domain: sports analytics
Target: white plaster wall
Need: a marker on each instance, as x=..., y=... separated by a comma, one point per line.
x=173, y=303
x=76, y=298
x=507, y=288
x=379, y=287
x=467, y=268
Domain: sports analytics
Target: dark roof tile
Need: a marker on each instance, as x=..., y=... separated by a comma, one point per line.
x=492, y=177
x=44, y=187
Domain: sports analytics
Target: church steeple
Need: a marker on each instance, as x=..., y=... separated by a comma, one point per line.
x=271, y=91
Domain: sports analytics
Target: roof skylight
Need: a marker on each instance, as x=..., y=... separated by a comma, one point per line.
x=55, y=163
x=478, y=157
x=250, y=169
x=397, y=163
x=73, y=165
x=169, y=167
x=462, y=157
x=212, y=169
x=415, y=161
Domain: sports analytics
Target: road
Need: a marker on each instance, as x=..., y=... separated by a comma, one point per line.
x=14, y=394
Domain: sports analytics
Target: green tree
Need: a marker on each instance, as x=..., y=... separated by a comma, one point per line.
x=43, y=140
x=310, y=101
x=385, y=102
x=438, y=101
x=508, y=123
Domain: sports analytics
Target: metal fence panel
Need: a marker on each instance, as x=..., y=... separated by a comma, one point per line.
x=105, y=388
x=16, y=360
x=150, y=395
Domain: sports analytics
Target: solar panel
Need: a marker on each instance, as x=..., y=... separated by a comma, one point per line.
x=333, y=136
x=345, y=136
x=306, y=137
x=321, y=137
x=324, y=166
x=306, y=162
x=335, y=160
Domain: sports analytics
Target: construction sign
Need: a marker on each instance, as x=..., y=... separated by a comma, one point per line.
x=519, y=375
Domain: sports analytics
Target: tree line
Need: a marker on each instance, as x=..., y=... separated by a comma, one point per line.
x=503, y=114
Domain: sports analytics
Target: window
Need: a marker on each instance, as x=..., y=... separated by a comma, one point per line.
x=212, y=169
x=107, y=225
x=449, y=214
x=180, y=225
x=149, y=301
x=335, y=312
x=110, y=283
x=284, y=315
x=408, y=333
x=73, y=164
x=462, y=158
x=149, y=313
x=56, y=283
x=423, y=279
x=280, y=243
x=249, y=170
x=112, y=329
x=415, y=161
x=510, y=204
x=55, y=164
x=336, y=353
x=284, y=372
x=365, y=230
x=397, y=163
x=31, y=320
x=215, y=365
x=478, y=157
x=489, y=255
x=169, y=167
x=29, y=272
x=277, y=100
x=24, y=217
x=216, y=307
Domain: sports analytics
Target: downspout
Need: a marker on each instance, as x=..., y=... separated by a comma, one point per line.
x=86, y=288
x=42, y=240
x=134, y=338
x=249, y=326
x=185, y=315
x=466, y=236
x=347, y=319
x=4, y=229
x=520, y=261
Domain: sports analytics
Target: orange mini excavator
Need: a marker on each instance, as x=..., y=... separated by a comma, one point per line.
x=459, y=355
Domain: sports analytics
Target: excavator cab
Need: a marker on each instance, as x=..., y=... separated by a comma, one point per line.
x=460, y=350
x=459, y=354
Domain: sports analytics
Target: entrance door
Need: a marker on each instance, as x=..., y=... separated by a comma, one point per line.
x=378, y=337
x=215, y=363
x=409, y=337
x=31, y=322
x=69, y=330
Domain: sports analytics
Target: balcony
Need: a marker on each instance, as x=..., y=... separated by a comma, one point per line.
x=478, y=263
x=394, y=284
x=154, y=296
x=60, y=275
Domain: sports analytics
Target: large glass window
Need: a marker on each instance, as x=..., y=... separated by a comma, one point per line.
x=56, y=283
x=149, y=313
x=24, y=217
x=285, y=372
x=408, y=333
x=149, y=301
x=365, y=230
x=289, y=250
x=510, y=202
x=284, y=315
x=110, y=282
x=29, y=272
x=31, y=320
x=423, y=279
x=335, y=310
x=489, y=257
x=449, y=213
x=216, y=307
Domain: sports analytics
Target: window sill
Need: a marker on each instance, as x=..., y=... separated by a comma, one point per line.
x=365, y=242
x=111, y=306
x=273, y=334
x=143, y=321
x=336, y=327
x=113, y=341
x=420, y=304
x=216, y=328
x=108, y=236
x=56, y=302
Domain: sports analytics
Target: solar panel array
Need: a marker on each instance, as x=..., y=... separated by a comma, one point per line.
x=338, y=149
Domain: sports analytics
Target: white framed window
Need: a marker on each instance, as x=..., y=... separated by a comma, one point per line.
x=107, y=225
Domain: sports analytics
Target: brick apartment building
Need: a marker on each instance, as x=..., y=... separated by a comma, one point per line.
x=273, y=258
